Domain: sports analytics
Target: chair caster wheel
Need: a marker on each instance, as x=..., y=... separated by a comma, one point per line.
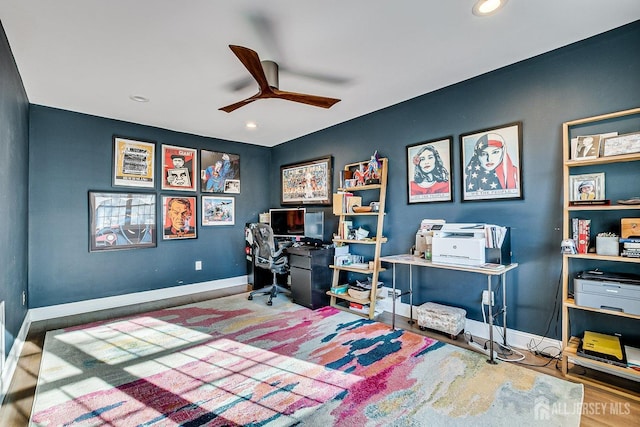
x=422, y=328
x=269, y=303
x=250, y=297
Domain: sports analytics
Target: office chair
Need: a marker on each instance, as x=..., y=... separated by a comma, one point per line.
x=270, y=256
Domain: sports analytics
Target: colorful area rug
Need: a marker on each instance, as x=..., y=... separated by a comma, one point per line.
x=232, y=362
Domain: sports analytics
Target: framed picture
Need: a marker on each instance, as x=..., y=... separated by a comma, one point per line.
x=219, y=172
x=121, y=221
x=491, y=163
x=218, y=210
x=179, y=167
x=622, y=144
x=586, y=187
x=429, y=171
x=307, y=183
x=178, y=217
x=133, y=163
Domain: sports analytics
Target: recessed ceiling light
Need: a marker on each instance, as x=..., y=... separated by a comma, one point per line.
x=488, y=7
x=251, y=125
x=138, y=98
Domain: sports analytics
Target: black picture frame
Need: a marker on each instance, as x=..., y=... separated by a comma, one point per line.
x=307, y=183
x=121, y=220
x=491, y=163
x=183, y=209
x=435, y=183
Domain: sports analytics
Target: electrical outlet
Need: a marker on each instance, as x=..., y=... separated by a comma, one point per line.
x=485, y=298
x=198, y=265
x=24, y=297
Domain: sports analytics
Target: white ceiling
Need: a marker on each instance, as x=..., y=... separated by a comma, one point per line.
x=90, y=56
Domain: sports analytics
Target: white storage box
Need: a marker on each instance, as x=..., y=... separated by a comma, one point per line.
x=442, y=318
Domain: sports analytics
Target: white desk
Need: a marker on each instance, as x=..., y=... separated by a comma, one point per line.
x=412, y=260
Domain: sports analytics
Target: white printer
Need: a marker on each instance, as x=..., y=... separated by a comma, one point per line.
x=459, y=244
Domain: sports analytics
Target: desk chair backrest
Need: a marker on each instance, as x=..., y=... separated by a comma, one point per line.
x=268, y=254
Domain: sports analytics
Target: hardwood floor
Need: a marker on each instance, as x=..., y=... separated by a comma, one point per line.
x=600, y=408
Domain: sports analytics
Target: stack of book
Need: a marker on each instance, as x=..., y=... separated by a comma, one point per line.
x=630, y=247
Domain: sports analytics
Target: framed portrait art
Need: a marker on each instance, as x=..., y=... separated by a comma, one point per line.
x=586, y=187
x=133, y=163
x=307, y=183
x=218, y=210
x=179, y=166
x=179, y=217
x=491, y=163
x=121, y=221
x=429, y=171
x=219, y=172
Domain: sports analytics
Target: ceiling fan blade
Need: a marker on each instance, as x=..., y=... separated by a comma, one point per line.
x=236, y=105
x=303, y=98
x=321, y=77
x=251, y=61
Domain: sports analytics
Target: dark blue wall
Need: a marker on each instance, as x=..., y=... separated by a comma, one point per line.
x=14, y=163
x=594, y=76
x=70, y=154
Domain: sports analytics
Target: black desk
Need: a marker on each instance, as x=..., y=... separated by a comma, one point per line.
x=310, y=275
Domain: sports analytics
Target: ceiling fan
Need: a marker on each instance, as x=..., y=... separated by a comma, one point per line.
x=266, y=75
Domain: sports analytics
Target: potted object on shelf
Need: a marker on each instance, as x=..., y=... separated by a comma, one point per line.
x=607, y=244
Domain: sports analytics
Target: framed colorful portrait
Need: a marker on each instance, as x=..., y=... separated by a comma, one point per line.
x=179, y=166
x=218, y=210
x=133, y=163
x=491, y=163
x=307, y=183
x=429, y=171
x=179, y=217
x=219, y=172
x=121, y=221
x=586, y=187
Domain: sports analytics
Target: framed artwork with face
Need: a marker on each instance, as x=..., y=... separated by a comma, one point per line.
x=179, y=168
x=429, y=171
x=491, y=163
x=179, y=217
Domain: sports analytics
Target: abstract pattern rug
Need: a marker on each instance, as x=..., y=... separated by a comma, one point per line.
x=231, y=362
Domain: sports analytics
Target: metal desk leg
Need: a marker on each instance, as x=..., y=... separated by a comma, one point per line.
x=393, y=315
x=493, y=362
x=504, y=308
x=411, y=322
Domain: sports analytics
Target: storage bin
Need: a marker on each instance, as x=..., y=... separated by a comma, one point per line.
x=442, y=318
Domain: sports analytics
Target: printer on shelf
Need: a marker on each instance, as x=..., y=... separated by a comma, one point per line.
x=608, y=291
x=471, y=245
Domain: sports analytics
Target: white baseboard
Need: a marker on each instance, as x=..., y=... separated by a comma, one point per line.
x=70, y=309
x=11, y=363
x=515, y=338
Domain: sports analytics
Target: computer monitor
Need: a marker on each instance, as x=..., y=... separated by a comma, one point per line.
x=314, y=225
x=287, y=222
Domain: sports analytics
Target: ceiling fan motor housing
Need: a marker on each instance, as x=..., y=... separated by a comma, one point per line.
x=271, y=73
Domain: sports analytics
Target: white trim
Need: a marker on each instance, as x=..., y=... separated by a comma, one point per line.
x=515, y=338
x=80, y=307
x=12, y=360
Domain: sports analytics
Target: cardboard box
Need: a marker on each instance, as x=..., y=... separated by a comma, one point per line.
x=629, y=227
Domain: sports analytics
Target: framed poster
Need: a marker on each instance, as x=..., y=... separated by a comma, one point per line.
x=121, y=221
x=429, y=171
x=219, y=172
x=218, y=210
x=307, y=183
x=133, y=163
x=178, y=217
x=586, y=187
x=179, y=166
x=492, y=163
